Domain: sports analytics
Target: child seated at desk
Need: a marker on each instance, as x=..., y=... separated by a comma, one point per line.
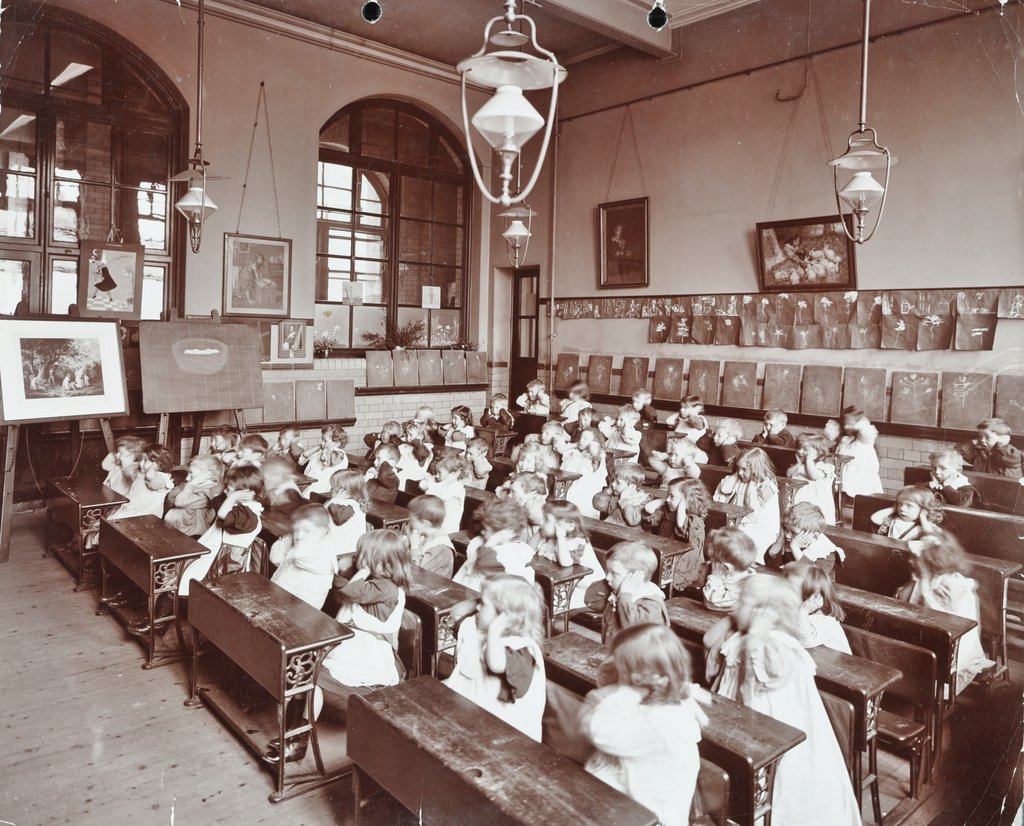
x=497, y=414
x=479, y=468
x=224, y=443
x=460, y=430
x=306, y=559
x=555, y=442
x=681, y=515
x=280, y=484
x=622, y=502
x=642, y=402
x=820, y=611
x=646, y=724
x=347, y=511
x=803, y=539
x=732, y=555
x=579, y=399
x=678, y=461
x=415, y=453
x=724, y=450
x=533, y=457
x=287, y=445
x=626, y=596
x=948, y=482
x=690, y=422
x=390, y=434
x=535, y=399
x=499, y=664
x=587, y=458
x=321, y=462
x=447, y=486
x=765, y=668
x=500, y=547
x=530, y=492
x=428, y=424
x=563, y=539
x=190, y=504
x=587, y=419
x=252, y=450
x=857, y=440
x=382, y=477
x=623, y=433
x=753, y=486
x=813, y=468
x=429, y=545
x=991, y=451
x=774, y=430
x=917, y=513
x=148, y=492
x=122, y=466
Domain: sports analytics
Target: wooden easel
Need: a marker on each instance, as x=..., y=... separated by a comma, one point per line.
x=197, y=428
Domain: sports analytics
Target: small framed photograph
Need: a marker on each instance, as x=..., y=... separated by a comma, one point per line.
x=257, y=275
x=624, y=244
x=291, y=340
x=60, y=370
x=110, y=279
x=805, y=254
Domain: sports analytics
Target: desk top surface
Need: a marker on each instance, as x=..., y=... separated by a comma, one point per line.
x=623, y=533
x=88, y=492
x=556, y=474
x=731, y=726
x=440, y=592
x=273, y=610
x=949, y=625
x=527, y=781
x=154, y=538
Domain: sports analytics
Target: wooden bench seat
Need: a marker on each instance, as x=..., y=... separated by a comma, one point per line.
x=998, y=493
x=712, y=475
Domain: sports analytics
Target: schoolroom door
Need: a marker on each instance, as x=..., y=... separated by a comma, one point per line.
x=522, y=365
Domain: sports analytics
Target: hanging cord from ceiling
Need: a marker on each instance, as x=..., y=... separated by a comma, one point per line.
x=261, y=102
x=807, y=60
x=627, y=121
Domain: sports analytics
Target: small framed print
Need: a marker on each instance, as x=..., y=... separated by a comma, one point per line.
x=431, y=299
x=110, y=279
x=624, y=243
x=257, y=275
x=291, y=340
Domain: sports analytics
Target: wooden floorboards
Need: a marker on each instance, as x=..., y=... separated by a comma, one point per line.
x=88, y=737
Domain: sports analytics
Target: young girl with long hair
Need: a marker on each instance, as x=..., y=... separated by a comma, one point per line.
x=753, y=486
x=563, y=539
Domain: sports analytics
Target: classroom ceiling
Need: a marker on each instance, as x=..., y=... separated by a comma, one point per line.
x=449, y=31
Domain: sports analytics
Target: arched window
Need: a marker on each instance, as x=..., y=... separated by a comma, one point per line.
x=90, y=131
x=393, y=191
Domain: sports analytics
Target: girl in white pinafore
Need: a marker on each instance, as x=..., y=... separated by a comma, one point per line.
x=861, y=474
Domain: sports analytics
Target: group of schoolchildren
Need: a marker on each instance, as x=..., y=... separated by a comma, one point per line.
x=644, y=721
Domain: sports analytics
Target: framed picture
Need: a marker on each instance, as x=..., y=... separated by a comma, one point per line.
x=624, y=244
x=110, y=279
x=805, y=254
x=60, y=370
x=291, y=340
x=257, y=275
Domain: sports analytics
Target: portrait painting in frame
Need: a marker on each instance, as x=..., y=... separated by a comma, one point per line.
x=624, y=243
x=257, y=275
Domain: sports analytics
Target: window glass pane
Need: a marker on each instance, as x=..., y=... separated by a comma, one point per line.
x=82, y=151
x=336, y=136
x=17, y=205
x=408, y=315
x=373, y=193
x=142, y=217
x=22, y=52
x=14, y=284
x=378, y=136
x=449, y=160
x=129, y=92
x=416, y=194
x=80, y=211
x=411, y=278
x=331, y=276
x=63, y=285
x=153, y=278
x=366, y=320
x=414, y=241
x=17, y=140
x=370, y=245
x=370, y=274
x=526, y=338
x=413, y=140
x=445, y=247
x=448, y=200
x=334, y=186
x=444, y=328
x=450, y=281
x=142, y=160
x=76, y=67
x=332, y=322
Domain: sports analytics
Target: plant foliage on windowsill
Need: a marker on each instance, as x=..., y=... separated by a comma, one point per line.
x=404, y=337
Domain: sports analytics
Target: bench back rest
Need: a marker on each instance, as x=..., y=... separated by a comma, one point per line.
x=410, y=644
x=842, y=717
x=919, y=682
x=998, y=493
x=712, y=475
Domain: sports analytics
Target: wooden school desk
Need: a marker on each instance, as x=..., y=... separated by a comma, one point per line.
x=152, y=555
x=79, y=505
x=604, y=535
x=720, y=514
x=744, y=742
x=431, y=597
x=998, y=493
x=558, y=480
x=712, y=475
x=446, y=759
x=783, y=458
x=280, y=642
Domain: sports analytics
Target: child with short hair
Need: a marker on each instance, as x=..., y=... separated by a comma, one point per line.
x=563, y=539
x=948, y=482
x=622, y=502
x=586, y=419
x=306, y=560
x=252, y=450
x=447, y=486
x=460, y=430
x=942, y=581
x=626, y=596
x=767, y=669
x=428, y=424
x=500, y=547
x=861, y=473
x=497, y=414
x=579, y=399
x=678, y=461
x=530, y=491
x=624, y=432
x=149, y=490
x=555, y=442
x=753, y=486
x=690, y=422
x=820, y=611
x=390, y=434
x=732, y=555
x=122, y=466
x=991, y=451
x=587, y=458
x=499, y=664
x=642, y=402
x=287, y=444
x=917, y=512
x=803, y=539
x=280, y=483
x=724, y=450
x=190, y=504
x=382, y=477
x=324, y=460
x=817, y=472
x=479, y=466
x=682, y=515
x=429, y=545
x=224, y=443
x=774, y=431
x=646, y=725
x=531, y=457
x=535, y=399
x=347, y=511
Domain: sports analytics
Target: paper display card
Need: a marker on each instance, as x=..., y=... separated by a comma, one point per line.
x=431, y=299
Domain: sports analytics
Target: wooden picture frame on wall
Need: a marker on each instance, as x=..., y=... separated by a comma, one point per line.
x=257, y=275
x=625, y=242
x=805, y=254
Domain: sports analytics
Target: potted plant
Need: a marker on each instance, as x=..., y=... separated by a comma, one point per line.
x=401, y=337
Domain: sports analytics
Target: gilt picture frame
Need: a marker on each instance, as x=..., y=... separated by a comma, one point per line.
x=624, y=232
x=805, y=254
